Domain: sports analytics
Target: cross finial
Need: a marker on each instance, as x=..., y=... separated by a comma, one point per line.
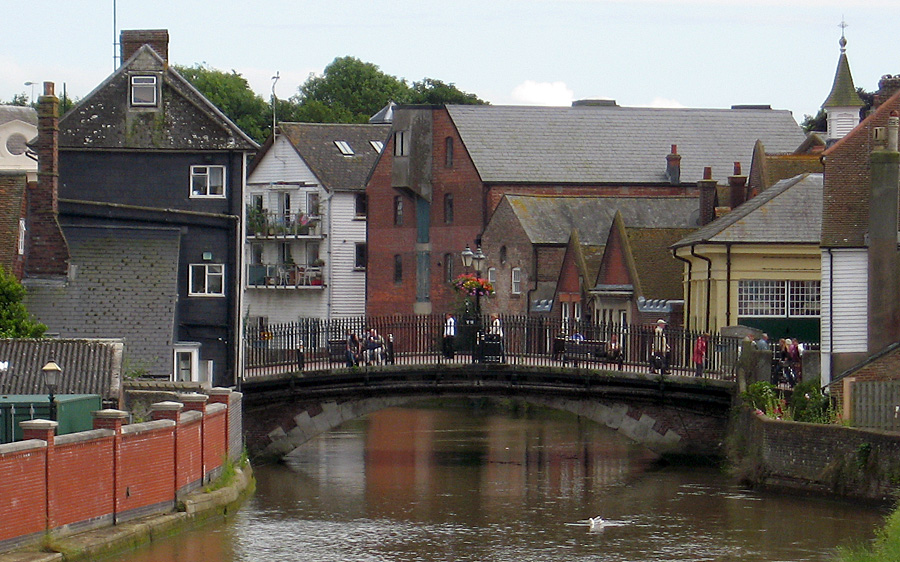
x=843, y=41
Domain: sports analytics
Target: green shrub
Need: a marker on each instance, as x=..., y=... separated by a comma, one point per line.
x=761, y=396
x=808, y=404
x=885, y=547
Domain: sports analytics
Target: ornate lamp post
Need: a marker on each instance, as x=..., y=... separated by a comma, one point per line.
x=52, y=371
x=476, y=260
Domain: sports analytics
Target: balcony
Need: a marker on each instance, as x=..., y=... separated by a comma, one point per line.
x=262, y=224
x=284, y=276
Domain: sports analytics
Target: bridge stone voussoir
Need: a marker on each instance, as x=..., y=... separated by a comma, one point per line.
x=277, y=434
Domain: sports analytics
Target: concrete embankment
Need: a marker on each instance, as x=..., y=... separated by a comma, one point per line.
x=194, y=510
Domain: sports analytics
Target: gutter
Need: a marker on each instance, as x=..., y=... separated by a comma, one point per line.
x=708, y=281
x=690, y=268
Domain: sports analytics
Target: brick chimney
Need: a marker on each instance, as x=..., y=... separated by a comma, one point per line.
x=673, y=166
x=737, y=184
x=47, y=253
x=887, y=87
x=707, y=197
x=130, y=40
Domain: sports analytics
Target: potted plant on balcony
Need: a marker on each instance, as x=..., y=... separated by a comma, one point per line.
x=256, y=220
x=318, y=262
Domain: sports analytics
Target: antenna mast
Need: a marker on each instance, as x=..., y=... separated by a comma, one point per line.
x=115, y=40
x=274, y=118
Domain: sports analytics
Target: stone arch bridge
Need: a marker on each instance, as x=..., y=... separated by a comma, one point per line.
x=672, y=415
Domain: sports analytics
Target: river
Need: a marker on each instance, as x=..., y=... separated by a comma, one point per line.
x=506, y=482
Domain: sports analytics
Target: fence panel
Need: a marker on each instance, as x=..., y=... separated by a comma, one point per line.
x=876, y=405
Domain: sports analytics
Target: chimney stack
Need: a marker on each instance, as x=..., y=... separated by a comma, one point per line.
x=47, y=253
x=673, y=166
x=738, y=186
x=887, y=87
x=130, y=40
x=707, y=197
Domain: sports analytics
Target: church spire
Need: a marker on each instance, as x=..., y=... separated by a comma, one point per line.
x=843, y=103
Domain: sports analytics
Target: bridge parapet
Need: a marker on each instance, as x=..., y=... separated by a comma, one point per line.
x=671, y=415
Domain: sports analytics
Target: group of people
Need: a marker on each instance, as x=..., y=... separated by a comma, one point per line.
x=368, y=350
x=448, y=340
x=787, y=359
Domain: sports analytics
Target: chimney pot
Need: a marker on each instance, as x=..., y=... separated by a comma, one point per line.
x=737, y=168
x=49, y=89
x=707, y=173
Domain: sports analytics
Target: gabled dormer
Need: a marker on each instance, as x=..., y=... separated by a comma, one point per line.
x=843, y=103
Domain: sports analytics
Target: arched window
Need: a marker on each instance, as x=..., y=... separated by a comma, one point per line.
x=448, y=152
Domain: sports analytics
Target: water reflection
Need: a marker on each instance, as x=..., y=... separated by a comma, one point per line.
x=419, y=484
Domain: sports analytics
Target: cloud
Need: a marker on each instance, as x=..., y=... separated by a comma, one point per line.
x=543, y=93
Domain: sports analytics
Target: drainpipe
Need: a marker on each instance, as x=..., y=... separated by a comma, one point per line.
x=708, y=281
x=830, y=314
x=728, y=284
x=690, y=268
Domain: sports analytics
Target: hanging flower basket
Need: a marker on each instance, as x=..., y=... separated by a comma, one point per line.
x=471, y=285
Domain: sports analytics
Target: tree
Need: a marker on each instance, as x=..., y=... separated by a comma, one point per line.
x=15, y=321
x=231, y=93
x=437, y=92
x=20, y=100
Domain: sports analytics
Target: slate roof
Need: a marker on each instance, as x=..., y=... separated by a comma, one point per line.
x=315, y=143
x=16, y=113
x=88, y=366
x=124, y=285
x=551, y=219
x=184, y=120
x=611, y=144
x=788, y=212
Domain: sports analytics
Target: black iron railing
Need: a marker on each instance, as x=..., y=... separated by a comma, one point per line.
x=319, y=344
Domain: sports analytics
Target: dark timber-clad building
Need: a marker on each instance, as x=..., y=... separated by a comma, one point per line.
x=151, y=193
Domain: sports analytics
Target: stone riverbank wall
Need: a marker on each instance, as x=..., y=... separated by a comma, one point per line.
x=829, y=460
x=114, y=473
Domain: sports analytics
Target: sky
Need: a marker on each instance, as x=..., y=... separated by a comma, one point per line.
x=648, y=53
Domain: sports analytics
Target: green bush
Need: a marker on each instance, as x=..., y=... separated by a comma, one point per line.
x=885, y=547
x=808, y=404
x=761, y=395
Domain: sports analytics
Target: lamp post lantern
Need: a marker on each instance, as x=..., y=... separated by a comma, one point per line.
x=52, y=372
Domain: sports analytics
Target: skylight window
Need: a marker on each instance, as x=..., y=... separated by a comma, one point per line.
x=143, y=90
x=344, y=147
x=377, y=145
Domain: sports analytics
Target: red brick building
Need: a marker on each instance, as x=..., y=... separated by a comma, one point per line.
x=446, y=168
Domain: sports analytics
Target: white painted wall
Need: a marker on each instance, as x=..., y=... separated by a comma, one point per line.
x=844, y=304
x=348, y=284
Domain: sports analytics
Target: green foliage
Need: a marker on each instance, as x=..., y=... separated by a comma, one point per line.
x=885, y=547
x=231, y=93
x=15, y=321
x=20, y=100
x=818, y=123
x=761, y=396
x=808, y=404
x=432, y=91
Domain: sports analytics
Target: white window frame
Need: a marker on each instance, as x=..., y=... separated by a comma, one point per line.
x=401, y=143
x=144, y=84
x=202, y=173
x=492, y=275
x=377, y=146
x=21, y=239
x=515, y=286
x=576, y=311
x=210, y=272
x=344, y=147
x=191, y=352
x=766, y=298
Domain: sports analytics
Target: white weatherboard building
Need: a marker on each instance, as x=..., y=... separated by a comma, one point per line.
x=305, y=254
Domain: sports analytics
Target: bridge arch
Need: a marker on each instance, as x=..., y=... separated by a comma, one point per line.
x=669, y=416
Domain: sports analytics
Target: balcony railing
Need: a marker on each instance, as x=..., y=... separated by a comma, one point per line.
x=265, y=224
x=284, y=276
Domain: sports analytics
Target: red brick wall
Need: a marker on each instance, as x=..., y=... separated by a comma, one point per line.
x=76, y=494
x=81, y=477
x=190, y=454
x=23, y=493
x=145, y=468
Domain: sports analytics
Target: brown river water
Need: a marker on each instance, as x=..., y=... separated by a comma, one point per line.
x=506, y=482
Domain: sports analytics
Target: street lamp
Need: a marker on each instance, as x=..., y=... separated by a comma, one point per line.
x=32, y=84
x=52, y=372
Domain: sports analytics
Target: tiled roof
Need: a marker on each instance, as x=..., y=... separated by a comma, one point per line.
x=551, y=219
x=124, y=285
x=788, y=212
x=611, y=144
x=315, y=143
x=185, y=119
x=659, y=273
x=843, y=92
x=88, y=366
x=16, y=113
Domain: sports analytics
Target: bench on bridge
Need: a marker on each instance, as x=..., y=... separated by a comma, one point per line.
x=337, y=351
x=589, y=351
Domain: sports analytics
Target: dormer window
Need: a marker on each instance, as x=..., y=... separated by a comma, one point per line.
x=143, y=91
x=344, y=147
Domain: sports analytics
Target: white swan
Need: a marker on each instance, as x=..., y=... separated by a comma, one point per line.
x=596, y=522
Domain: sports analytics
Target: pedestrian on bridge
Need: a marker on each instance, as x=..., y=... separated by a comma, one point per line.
x=699, y=356
x=449, y=339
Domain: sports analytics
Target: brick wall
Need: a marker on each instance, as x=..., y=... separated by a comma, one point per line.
x=110, y=474
x=824, y=459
